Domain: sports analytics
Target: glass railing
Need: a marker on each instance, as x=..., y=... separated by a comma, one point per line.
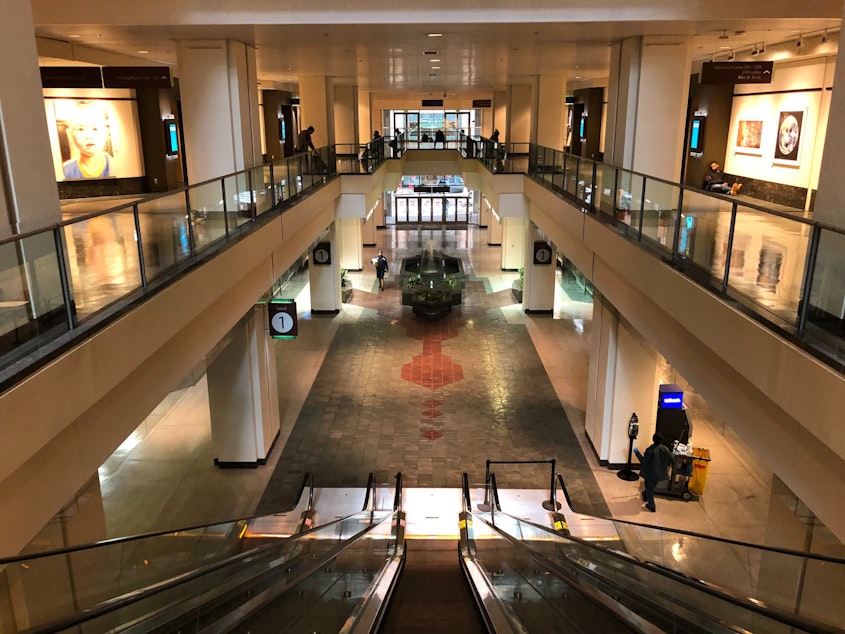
x=53, y=282
x=790, y=583
x=655, y=594
x=167, y=579
x=779, y=267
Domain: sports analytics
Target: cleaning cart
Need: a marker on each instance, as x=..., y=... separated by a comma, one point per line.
x=689, y=467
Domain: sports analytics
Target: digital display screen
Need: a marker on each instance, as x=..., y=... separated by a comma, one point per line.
x=696, y=137
x=583, y=130
x=172, y=137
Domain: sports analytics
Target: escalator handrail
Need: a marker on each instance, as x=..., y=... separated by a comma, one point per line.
x=715, y=538
x=370, y=608
x=753, y=605
x=306, y=480
x=135, y=596
x=371, y=486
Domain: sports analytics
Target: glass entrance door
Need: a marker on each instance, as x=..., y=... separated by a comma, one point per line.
x=432, y=209
x=407, y=122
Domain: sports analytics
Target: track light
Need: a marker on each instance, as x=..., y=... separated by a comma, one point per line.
x=754, y=50
x=825, y=38
x=761, y=48
x=731, y=56
x=800, y=42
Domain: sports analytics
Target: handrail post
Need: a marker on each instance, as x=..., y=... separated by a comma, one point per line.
x=594, y=185
x=676, y=254
x=552, y=504
x=729, y=251
x=809, y=275
x=190, y=218
x=253, y=199
x=642, y=213
x=64, y=281
x=272, y=184
x=485, y=505
x=142, y=269
x=225, y=207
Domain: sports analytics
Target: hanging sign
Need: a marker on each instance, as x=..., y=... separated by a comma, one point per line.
x=282, y=315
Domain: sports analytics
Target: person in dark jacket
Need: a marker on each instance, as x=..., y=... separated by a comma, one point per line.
x=381, y=268
x=714, y=181
x=655, y=463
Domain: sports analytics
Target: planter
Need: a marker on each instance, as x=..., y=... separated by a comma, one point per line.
x=346, y=294
x=517, y=295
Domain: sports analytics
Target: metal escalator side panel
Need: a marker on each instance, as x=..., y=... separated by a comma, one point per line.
x=497, y=615
x=369, y=611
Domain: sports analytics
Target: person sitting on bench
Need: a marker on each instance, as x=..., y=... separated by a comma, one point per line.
x=714, y=181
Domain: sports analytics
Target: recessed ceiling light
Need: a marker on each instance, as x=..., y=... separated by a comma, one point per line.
x=435, y=35
x=75, y=35
x=143, y=52
x=435, y=68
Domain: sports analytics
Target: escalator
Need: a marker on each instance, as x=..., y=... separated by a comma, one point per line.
x=358, y=573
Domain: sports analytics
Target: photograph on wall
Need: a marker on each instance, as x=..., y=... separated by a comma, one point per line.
x=94, y=138
x=788, y=142
x=749, y=137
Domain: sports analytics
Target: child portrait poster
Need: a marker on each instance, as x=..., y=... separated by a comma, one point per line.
x=102, y=131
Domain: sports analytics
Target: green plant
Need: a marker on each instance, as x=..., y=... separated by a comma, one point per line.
x=518, y=283
x=345, y=282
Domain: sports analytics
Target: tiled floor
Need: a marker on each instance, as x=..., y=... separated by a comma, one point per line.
x=346, y=410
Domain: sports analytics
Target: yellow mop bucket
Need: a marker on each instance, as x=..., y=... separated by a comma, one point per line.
x=700, y=464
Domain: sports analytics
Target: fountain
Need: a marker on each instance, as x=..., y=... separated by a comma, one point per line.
x=432, y=283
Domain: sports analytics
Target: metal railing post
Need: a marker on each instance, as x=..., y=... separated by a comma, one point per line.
x=642, y=213
x=63, y=277
x=142, y=268
x=730, y=248
x=594, y=187
x=676, y=239
x=190, y=219
x=273, y=184
x=253, y=204
x=225, y=207
x=807, y=282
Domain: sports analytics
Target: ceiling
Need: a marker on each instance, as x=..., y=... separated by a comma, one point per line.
x=472, y=57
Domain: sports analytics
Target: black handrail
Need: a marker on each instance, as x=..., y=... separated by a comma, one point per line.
x=306, y=480
x=371, y=486
x=753, y=605
x=397, y=497
x=715, y=538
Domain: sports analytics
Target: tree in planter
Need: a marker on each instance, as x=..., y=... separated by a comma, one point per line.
x=345, y=286
x=516, y=287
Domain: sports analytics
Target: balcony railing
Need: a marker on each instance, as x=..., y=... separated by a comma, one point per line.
x=58, y=283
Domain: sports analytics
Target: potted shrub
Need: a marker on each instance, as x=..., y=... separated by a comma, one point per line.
x=516, y=287
x=345, y=286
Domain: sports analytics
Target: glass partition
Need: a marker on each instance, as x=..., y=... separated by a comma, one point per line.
x=164, y=233
x=104, y=263
x=31, y=299
x=262, y=187
x=660, y=214
x=768, y=258
x=240, y=206
x=208, y=222
x=782, y=583
x=605, y=190
x=280, y=173
x=629, y=198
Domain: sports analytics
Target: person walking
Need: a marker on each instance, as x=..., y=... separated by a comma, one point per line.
x=381, y=268
x=655, y=463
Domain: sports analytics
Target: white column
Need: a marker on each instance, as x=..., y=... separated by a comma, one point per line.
x=243, y=394
x=316, y=108
x=539, y=279
x=220, y=115
x=28, y=198
x=623, y=379
x=325, y=278
x=521, y=98
x=647, y=104
x=550, y=125
x=513, y=214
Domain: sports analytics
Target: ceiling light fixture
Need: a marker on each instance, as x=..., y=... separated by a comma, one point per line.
x=825, y=37
x=731, y=56
x=435, y=35
x=144, y=52
x=800, y=42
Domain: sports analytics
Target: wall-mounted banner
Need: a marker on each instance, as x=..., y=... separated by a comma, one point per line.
x=322, y=253
x=136, y=76
x=482, y=103
x=282, y=316
x=737, y=72
x=542, y=253
x=71, y=77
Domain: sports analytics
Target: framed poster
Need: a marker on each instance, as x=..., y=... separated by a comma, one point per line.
x=749, y=137
x=788, y=140
x=94, y=137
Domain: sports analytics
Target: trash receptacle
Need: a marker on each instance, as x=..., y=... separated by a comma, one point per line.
x=700, y=465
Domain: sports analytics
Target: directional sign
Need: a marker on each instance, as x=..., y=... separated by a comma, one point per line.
x=322, y=253
x=283, y=323
x=542, y=253
x=737, y=72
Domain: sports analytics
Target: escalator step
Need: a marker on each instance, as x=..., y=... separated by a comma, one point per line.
x=432, y=594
